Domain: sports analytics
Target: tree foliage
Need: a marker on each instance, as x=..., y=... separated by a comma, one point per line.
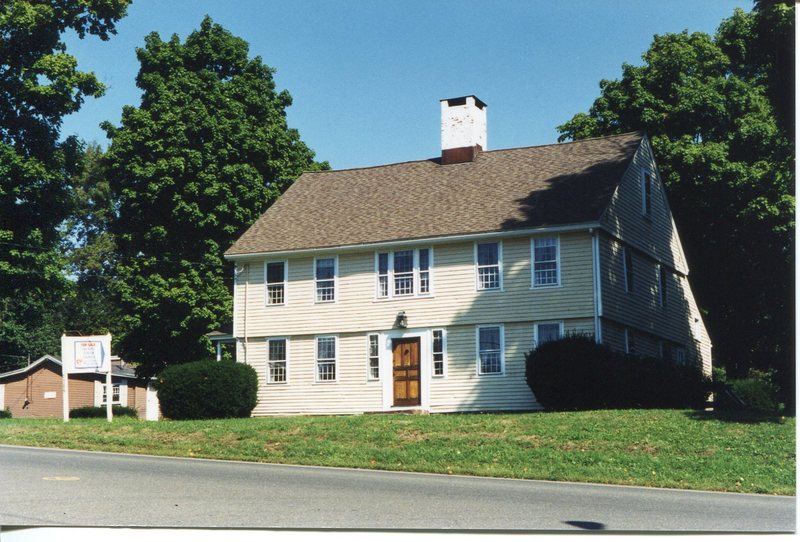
x=204, y=154
x=720, y=114
x=39, y=85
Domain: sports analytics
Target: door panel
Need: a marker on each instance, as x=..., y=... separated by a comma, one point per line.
x=406, y=371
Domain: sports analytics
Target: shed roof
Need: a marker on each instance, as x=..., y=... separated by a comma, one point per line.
x=549, y=185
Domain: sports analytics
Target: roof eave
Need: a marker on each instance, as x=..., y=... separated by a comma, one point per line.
x=501, y=234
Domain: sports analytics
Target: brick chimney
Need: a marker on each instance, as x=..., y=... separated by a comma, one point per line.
x=463, y=129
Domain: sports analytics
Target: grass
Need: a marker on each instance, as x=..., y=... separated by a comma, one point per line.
x=656, y=448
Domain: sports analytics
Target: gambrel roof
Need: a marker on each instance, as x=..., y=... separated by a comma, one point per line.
x=530, y=187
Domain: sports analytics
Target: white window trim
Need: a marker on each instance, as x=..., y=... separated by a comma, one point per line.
x=536, y=330
x=643, y=175
x=625, y=252
x=335, y=279
x=99, y=388
x=499, y=266
x=663, y=291
x=285, y=283
x=390, y=274
x=286, y=361
x=377, y=336
x=335, y=361
x=627, y=339
x=478, y=350
x=444, y=354
x=558, y=263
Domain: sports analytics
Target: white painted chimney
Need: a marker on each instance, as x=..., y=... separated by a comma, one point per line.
x=463, y=129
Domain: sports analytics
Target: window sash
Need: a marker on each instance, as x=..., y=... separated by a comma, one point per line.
x=548, y=331
x=488, y=265
x=373, y=357
x=662, y=285
x=545, y=262
x=326, y=359
x=437, y=352
x=627, y=264
x=277, y=357
x=325, y=280
x=275, y=275
x=115, y=394
x=490, y=350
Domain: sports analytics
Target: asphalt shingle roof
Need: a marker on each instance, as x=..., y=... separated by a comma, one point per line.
x=567, y=183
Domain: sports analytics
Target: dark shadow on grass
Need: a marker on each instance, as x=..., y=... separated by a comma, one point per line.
x=736, y=416
x=587, y=525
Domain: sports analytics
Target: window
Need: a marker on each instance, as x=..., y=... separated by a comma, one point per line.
x=664, y=350
x=544, y=333
x=276, y=283
x=383, y=274
x=627, y=264
x=437, y=350
x=680, y=355
x=662, y=285
x=647, y=186
x=326, y=359
x=490, y=350
x=489, y=267
x=325, y=279
x=276, y=361
x=630, y=342
x=424, y=271
x=373, y=360
x=545, y=262
x=115, y=394
x=403, y=273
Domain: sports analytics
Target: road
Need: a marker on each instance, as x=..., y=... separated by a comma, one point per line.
x=43, y=487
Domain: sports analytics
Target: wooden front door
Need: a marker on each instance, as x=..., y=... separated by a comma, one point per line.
x=406, y=371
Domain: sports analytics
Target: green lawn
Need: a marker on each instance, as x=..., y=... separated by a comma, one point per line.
x=658, y=448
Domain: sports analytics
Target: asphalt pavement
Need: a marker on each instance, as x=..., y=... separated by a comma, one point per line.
x=45, y=487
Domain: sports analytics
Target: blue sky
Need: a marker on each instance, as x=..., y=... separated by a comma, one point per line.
x=367, y=76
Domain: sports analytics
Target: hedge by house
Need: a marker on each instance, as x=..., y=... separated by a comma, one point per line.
x=576, y=373
x=207, y=389
x=100, y=411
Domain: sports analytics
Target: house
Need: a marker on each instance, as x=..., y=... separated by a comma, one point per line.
x=36, y=391
x=421, y=285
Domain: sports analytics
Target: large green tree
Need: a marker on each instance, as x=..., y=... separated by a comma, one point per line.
x=39, y=84
x=191, y=168
x=718, y=113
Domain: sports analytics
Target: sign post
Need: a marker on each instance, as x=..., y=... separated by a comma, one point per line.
x=86, y=355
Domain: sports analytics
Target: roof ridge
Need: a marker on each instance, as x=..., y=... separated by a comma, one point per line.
x=436, y=159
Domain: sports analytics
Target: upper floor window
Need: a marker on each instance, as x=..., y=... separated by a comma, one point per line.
x=627, y=264
x=490, y=350
x=326, y=359
x=276, y=282
x=325, y=279
x=545, y=262
x=276, y=360
x=647, y=189
x=438, y=352
x=489, y=266
x=662, y=285
x=404, y=273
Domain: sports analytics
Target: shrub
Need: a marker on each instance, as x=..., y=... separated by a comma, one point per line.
x=100, y=411
x=5, y=414
x=207, y=389
x=576, y=373
x=758, y=391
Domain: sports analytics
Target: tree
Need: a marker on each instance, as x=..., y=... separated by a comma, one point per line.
x=715, y=111
x=39, y=84
x=205, y=153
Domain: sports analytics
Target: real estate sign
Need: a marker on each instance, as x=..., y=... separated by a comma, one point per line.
x=85, y=355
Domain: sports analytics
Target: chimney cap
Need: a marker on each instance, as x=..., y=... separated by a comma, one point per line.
x=462, y=100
